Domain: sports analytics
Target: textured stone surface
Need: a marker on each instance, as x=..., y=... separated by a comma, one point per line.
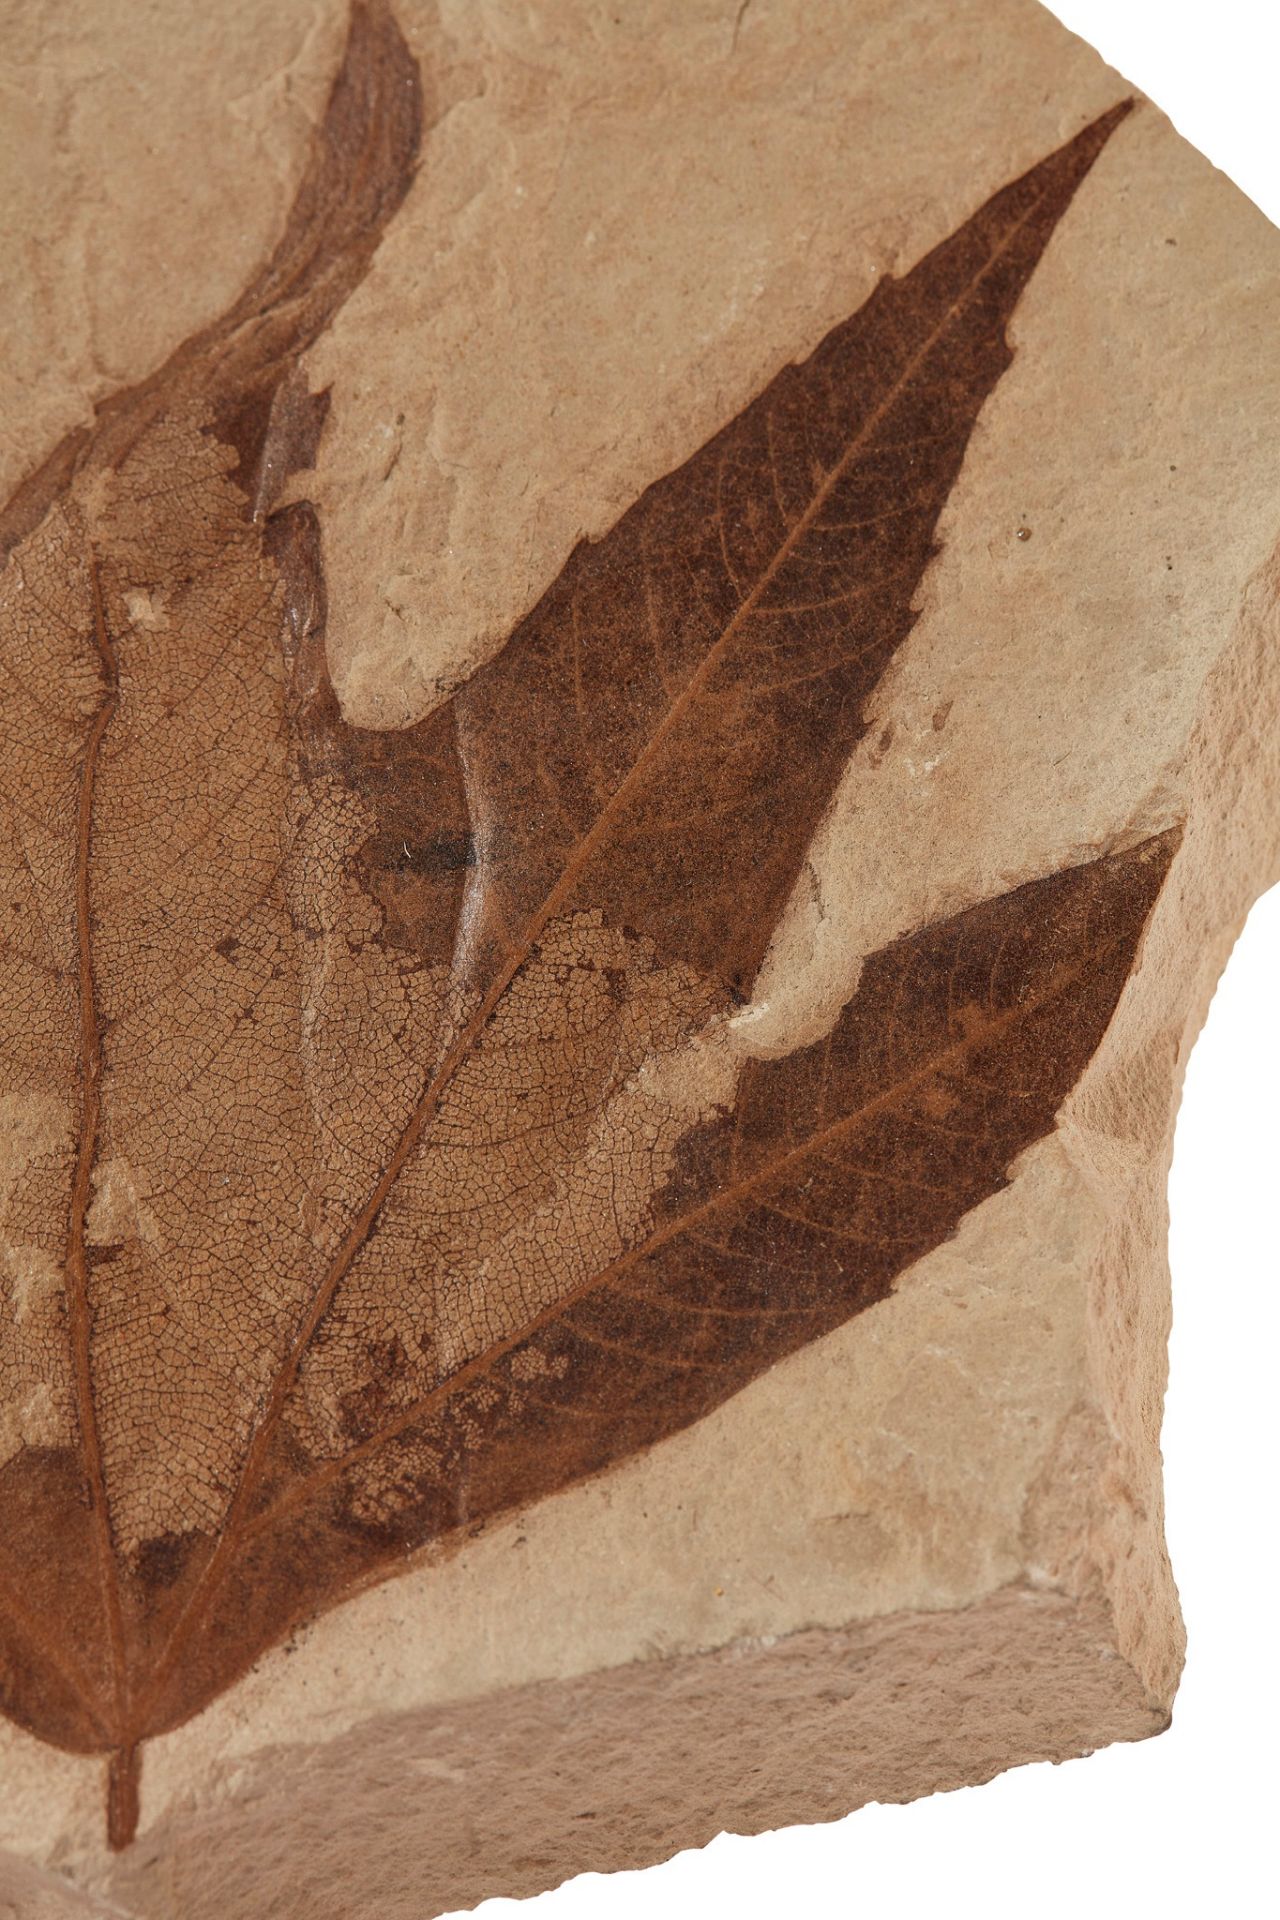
x=620, y=230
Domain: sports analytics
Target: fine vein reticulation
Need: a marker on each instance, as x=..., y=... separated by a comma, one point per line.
x=375, y=1157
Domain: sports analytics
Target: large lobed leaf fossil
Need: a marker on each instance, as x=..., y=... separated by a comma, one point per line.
x=385, y=1157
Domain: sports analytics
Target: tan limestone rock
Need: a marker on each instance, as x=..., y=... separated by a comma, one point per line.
x=926, y=1544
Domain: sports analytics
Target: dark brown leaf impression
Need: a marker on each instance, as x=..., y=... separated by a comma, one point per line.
x=372, y=1159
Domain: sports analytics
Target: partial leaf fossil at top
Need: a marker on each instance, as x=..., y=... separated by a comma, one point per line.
x=374, y=1162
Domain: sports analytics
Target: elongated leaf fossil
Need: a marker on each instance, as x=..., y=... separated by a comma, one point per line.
x=373, y=1161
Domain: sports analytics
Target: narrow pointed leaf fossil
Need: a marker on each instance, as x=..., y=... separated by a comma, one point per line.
x=378, y=1158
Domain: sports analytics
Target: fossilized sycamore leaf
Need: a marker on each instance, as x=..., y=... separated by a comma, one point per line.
x=375, y=1157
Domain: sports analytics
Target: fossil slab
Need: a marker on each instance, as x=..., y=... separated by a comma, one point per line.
x=639, y=709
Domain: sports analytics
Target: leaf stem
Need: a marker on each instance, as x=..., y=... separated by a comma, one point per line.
x=122, y=1796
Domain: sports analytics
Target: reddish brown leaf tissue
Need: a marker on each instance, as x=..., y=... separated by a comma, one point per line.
x=372, y=1162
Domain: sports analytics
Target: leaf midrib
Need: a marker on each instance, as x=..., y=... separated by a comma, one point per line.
x=91, y=1070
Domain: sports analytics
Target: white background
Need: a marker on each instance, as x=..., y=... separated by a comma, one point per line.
x=1183, y=1825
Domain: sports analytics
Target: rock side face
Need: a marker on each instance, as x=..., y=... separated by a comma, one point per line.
x=640, y=706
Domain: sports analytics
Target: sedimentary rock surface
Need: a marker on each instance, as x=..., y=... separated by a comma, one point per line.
x=639, y=708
